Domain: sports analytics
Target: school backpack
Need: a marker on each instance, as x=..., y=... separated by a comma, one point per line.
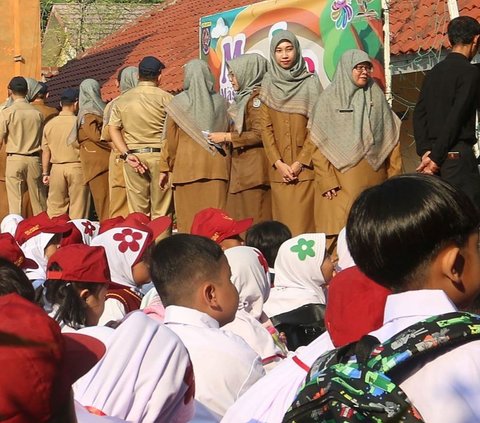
x=356, y=383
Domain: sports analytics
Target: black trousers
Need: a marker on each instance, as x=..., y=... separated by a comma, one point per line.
x=462, y=171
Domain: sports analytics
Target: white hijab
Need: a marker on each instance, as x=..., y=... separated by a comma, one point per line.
x=145, y=375
x=298, y=277
x=9, y=223
x=34, y=248
x=250, y=276
x=345, y=260
x=123, y=246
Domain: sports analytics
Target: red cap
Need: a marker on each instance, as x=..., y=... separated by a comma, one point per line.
x=35, y=225
x=107, y=224
x=39, y=364
x=9, y=250
x=355, y=306
x=80, y=263
x=218, y=225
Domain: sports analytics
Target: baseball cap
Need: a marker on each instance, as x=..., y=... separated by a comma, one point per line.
x=18, y=84
x=9, y=250
x=70, y=95
x=39, y=363
x=218, y=225
x=110, y=223
x=141, y=221
x=79, y=263
x=150, y=66
x=35, y=225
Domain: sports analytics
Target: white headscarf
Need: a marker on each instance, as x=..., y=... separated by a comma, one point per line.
x=34, y=248
x=145, y=375
x=250, y=276
x=298, y=277
x=345, y=260
x=9, y=223
x=123, y=246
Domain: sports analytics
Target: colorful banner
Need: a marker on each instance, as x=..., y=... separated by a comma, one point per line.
x=325, y=29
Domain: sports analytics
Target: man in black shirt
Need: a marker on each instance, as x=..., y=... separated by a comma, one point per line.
x=444, y=117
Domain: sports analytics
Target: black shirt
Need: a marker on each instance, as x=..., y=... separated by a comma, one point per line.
x=445, y=112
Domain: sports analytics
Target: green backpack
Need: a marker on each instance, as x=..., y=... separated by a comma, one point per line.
x=356, y=383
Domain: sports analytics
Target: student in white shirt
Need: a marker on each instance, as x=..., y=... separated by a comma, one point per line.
x=250, y=276
x=418, y=236
x=192, y=277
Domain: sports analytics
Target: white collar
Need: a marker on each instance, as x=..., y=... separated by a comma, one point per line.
x=189, y=316
x=425, y=302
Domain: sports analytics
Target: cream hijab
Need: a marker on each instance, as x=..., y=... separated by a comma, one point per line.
x=293, y=90
x=145, y=375
x=298, y=277
x=34, y=248
x=198, y=108
x=249, y=70
x=350, y=123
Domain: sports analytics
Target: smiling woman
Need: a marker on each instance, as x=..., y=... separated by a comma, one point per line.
x=356, y=133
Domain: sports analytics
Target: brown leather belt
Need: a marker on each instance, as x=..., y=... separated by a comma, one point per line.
x=145, y=150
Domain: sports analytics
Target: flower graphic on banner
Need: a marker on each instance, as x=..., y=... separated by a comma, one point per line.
x=304, y=248
x=89, y=228
x=128, y=240
x=342, y=13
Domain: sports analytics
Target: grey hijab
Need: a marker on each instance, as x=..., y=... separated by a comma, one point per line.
x=350, y=123
x=128, y=78
x=293, y=90
x=33, y=88
x=198, y=108
x=249, y=69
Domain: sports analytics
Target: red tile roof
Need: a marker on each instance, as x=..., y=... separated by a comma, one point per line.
x=170, y=32
x=420, y=25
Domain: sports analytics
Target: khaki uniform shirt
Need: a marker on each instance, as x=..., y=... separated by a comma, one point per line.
x=141, y=114
x=47, y=111
x=249, y=162
x=188, y=161
x=55, y=136
x=21, y=125
x=284, y=137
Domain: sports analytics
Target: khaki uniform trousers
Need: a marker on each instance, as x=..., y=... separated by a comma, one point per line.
x=25, y=173
x=293, y=205
x=192, y=197
x=116, y=184
x=143, y=193
x=67, y=191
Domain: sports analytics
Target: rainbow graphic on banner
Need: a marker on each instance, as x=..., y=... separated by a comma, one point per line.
x=325, y=29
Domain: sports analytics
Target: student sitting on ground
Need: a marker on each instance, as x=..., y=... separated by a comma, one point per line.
x=250, y=276
x=192, y=277
x=418, y=236
x=268, y=236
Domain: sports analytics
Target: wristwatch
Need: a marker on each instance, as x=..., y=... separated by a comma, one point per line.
x=125, y=155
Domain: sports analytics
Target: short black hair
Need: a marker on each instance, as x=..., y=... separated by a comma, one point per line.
x=267, y=237
x=396, y=228
x=14, y=280
x=180, y=261
x=462, y=30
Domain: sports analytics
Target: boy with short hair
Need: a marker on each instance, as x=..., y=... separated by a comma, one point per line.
x=192, y=277
x=418, y=236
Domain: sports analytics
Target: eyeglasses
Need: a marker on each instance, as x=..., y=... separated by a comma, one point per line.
x=363, y=68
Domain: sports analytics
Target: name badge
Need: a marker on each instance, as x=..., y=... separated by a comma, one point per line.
x=257, y=103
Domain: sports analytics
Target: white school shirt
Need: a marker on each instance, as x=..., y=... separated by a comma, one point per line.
x=225, y=367
x=269, y=399
x=446, y=388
